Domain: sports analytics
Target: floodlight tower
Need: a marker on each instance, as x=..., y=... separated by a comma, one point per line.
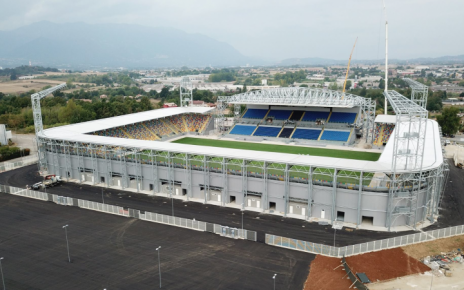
x=185, y=91
x=419, y=92
x=37, y=115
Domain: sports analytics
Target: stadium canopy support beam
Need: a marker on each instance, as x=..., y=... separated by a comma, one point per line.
x=419, y=92
x=408, y=154
x=310, y=192
x=38, y=124
x=359, y=198
x=185, y=92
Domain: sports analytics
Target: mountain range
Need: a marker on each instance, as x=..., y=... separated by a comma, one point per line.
x=113, y=45
x=84, y=46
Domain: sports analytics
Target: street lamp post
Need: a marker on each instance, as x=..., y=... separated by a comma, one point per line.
x=159, y=264
x=1, y=270
x=103, y=199
x=67, y=243
x=274, y=278
x=336, y=226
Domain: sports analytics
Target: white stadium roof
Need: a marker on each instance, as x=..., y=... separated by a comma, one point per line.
x=76, y=133
x=389, y=119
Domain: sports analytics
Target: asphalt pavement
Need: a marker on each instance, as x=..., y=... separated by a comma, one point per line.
x=113, y=252
x=451, y=213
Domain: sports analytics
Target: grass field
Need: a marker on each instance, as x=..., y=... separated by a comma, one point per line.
x=368, y=156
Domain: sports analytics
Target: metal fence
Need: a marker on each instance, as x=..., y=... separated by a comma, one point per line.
x=173, y=221
x=24, y=192
x=128, y=212
x=107, y=208
x=362, y=248
x=18, y=162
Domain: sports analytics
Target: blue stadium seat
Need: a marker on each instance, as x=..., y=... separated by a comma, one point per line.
x=267, y=131
x=310, y=134
x=280, y=114
x=242, y=130
x=255, y=113
x=339, y=117
x=335, y=135
x=313, y=116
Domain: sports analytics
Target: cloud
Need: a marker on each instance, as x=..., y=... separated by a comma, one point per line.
x=274, y=29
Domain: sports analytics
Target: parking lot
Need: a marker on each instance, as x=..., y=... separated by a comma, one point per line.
x=114, y=252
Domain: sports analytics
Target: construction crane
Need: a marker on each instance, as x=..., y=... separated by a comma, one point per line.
x=348, y=69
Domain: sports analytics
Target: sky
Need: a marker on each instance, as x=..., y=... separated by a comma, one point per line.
x=275, y=30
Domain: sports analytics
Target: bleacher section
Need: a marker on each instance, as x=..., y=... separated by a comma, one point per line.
x=155, y=129
x=309, y=134
x=335, y=135
x=303, y=124
x=382, y=133
x=296, y=116
x=255, y=113
x=279, y=114
x=243, y=130
x=311, y=116
x=267, y=131
x=286, y=132
x=339, y=117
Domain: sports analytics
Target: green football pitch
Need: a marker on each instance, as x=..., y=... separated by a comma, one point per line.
x=357, y=155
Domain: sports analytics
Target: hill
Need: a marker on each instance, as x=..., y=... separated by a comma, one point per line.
x=113, y=45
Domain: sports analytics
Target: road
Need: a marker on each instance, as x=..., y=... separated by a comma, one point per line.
x=113, y=252
x=452, y=212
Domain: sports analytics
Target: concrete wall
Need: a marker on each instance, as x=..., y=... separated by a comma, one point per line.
x=154, y=179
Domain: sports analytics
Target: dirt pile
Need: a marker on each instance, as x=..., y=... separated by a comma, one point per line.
x=386, y=265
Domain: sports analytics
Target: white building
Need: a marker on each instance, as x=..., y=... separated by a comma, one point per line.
x=26, y=78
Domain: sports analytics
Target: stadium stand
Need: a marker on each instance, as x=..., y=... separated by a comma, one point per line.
x=255, y=113
x=382, y=133
x=279, y=114
x=296, y=116
x=313, y=116
x=155, y=129
x=267, y=131
x=243, y=130
x=339, y=117
x=310, y=134
x=286, y=132
x=335, y=135
x=387, y=131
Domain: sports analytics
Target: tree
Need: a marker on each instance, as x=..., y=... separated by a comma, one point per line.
x=348, y=85
x=303, y=86
x=152, y=81
x=244, y=89
x=164, y=93
x=333, y=86
x=449, y=120
x=434, y=104
x=13, y=75
x=461, y=95
x=382, y=84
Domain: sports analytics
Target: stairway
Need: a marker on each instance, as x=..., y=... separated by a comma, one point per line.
x=155, y=137
x=170, y=126
x=186, y=126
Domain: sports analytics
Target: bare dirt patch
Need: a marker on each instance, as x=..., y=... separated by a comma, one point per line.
x=322, y=275
x=386, y=265
x=435, y=247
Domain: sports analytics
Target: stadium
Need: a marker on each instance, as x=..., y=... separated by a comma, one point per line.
x=295, y=152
